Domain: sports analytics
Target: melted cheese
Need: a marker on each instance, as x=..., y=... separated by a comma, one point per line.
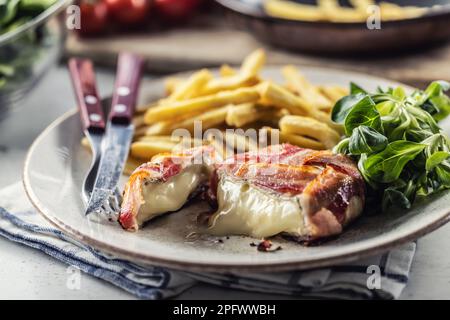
x=159, y=198
x=247, y=210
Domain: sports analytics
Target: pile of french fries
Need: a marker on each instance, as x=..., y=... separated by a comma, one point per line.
x=331, y=10
x=297, y=111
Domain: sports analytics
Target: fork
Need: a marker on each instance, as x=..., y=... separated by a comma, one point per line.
x=91, y=113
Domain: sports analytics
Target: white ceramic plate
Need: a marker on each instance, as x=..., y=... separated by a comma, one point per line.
x=56, y=164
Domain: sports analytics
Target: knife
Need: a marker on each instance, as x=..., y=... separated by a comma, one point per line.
x=119, y=133
x=91, y=114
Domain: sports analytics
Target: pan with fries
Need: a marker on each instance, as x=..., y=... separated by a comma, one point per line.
x=308, y=110
x=343, y=27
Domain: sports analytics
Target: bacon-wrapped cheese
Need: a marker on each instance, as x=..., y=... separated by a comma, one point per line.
x=163, y=185
x=286, y=189
x=304, y=193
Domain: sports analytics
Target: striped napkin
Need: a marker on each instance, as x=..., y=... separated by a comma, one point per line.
x=20, y=223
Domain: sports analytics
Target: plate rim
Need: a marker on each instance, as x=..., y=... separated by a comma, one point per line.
x=148, y=259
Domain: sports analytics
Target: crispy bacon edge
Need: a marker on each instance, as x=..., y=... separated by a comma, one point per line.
x=160, y=169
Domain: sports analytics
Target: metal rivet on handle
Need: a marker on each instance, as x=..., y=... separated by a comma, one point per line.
x=90, y=99
x=120, y=108
x=123, y=91
x=95, y=117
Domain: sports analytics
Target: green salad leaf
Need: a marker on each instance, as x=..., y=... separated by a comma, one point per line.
x=386, y=166
x=355, y=89
x=344, y=105
x=435, y=159
x=363, y=113
x=365, y=139
x=395, y=138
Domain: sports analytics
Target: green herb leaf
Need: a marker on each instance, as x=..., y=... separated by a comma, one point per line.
x=355, y=89
x=436, y=88
x=343, y=107
x=435, y=159
x=386, y=166
x=393, y=197
x=443, y=173
x=442, y=106
x=399, y=93
x=366, y=140
x=342, y=146
x=363, y=113
x=385, y=107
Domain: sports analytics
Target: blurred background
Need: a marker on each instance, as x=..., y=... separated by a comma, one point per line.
x=408, y=44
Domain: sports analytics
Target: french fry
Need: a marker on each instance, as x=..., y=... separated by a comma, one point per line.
x=331, y=10
x=226, y=71
x=176, y=109
x=243, y=114
x=305, y=89
x=326, y=118
x=166, y=138
x=239, y=142
x=392, y=11
x=183, y=142
x=293, y=10
x=171, y=84
x=155, y=129
x=333, y=93
x=311, y=128
x=229, y=83
x=247, y=75
x=138, y=120
x=295, y=139
x=145, y=150
x=334, y=12
x=190, y=88
x=207, y=119
x=362, y=5
x=253, y=63
x=275, y=95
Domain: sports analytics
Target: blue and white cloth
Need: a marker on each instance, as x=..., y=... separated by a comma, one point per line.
x=20, y=223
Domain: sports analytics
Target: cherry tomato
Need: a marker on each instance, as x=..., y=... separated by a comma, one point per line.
x=176, y=10
x=94, y=17
x=129, y=11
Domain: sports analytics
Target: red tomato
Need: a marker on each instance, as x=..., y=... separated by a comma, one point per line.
x=129, y=11
x=94, y=17
x=176, y=9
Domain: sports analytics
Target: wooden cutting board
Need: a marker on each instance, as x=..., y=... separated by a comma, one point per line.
x=208, y=44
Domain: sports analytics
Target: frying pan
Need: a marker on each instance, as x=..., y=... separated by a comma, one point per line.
x=343, y=38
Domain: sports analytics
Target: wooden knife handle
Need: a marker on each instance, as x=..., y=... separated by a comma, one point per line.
x=128, y=77
x=89, y=104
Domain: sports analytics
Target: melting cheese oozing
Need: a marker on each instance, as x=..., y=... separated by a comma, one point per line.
x=247, y=210
x=171, y=195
